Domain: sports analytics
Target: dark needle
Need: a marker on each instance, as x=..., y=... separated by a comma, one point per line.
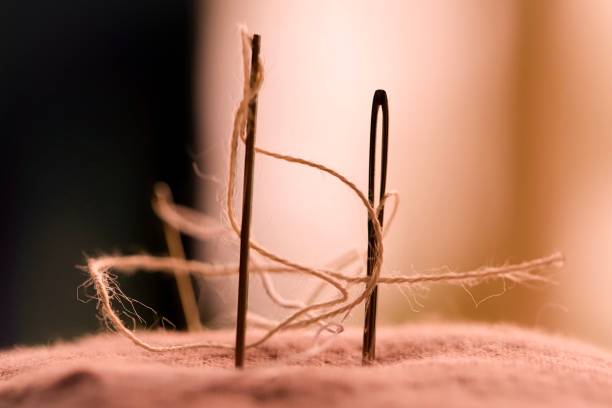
x=247, y=199
x=369, y=331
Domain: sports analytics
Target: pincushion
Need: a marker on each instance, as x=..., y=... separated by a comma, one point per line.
x=420, y=366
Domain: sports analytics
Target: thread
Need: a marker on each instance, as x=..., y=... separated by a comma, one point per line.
x=265, y=262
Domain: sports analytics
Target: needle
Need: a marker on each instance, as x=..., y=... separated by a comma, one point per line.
x=369, y=330
x=247, y=200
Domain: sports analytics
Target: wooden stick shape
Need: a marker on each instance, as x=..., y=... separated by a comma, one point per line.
x=183, y=281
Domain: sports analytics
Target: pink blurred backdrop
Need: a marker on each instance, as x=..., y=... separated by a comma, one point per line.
x=499, y=142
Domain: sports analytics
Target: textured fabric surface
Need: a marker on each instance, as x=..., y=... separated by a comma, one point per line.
x=420, y=366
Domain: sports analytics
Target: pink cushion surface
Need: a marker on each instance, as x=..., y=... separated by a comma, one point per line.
x=419, y=366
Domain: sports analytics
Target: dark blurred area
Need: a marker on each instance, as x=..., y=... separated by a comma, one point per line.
x=96, y=106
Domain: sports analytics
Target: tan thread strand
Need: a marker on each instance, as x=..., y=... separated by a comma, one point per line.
x=238, y=133
x=100, y=267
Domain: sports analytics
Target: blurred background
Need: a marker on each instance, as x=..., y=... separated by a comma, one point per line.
x=499, y=138
x=96, y=106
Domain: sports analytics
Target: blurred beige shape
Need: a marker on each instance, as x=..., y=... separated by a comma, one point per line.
x=567, y=139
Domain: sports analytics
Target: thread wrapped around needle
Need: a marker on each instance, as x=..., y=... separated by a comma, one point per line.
x=304, y=314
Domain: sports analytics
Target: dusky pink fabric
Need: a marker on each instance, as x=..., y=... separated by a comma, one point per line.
x=417, y=366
